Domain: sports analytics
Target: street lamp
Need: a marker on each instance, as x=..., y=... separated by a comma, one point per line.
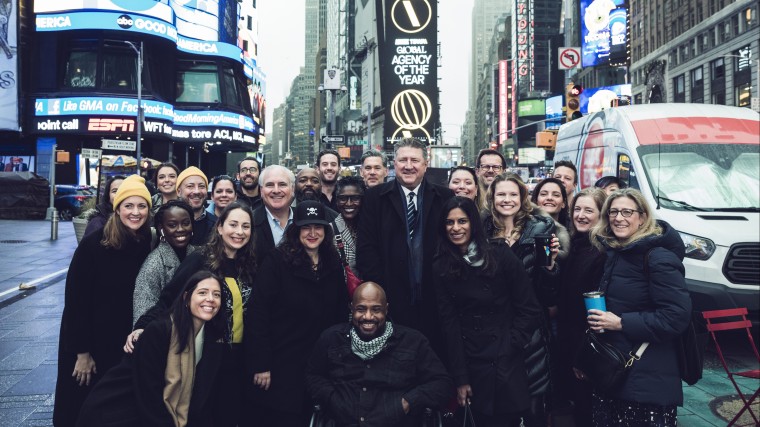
x=332, y=83
x=139, y=100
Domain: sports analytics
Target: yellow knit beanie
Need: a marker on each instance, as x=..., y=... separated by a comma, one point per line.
x=133, y=185
x=191, y=171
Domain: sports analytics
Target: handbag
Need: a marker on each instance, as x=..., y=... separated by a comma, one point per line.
x=603, y=364
x=352, y=281
x=468, y=417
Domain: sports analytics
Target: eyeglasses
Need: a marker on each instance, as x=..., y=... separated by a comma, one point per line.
x=625, y=212
x=347, y=198
x=495, y=168
x=246, y=170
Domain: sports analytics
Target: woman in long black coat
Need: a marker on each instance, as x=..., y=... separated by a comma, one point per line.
x=489, y=311
x=97, y=312
x=645, y=303
x=134, y=392
x=300, y=291
x=581, y=272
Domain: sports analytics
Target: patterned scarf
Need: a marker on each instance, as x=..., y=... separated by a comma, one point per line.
x=472, y=257
x=369, y=349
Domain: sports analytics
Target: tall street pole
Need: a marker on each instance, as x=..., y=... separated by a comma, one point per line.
x=138, y=145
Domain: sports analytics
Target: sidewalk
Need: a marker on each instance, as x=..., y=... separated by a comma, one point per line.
x=30, y=321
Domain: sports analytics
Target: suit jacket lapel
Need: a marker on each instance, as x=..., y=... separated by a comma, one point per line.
x=394, y=193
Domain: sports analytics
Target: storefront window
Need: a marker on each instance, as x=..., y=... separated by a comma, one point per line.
x=198, y=83
x=743, y=95
x=81, y=70
x=232, y=90
x=120, y=70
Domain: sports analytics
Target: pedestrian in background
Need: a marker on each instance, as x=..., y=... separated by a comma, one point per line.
x=166, y=184
x=229, y=254
x=645, y=303
x=610, y=184
x=511, y=219
x=463, y=181
x=174, y=225
x=168, y=380
x=581, y=272
x=104, y=209
x=97, y=309
x=350, y=192
x=488, y=313
x=300, y=291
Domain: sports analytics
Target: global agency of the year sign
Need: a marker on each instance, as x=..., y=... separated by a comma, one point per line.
x=410, y=70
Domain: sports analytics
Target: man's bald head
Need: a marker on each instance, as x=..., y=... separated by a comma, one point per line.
x=368, y=310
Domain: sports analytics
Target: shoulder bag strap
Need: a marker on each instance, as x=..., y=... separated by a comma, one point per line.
x=339, y=243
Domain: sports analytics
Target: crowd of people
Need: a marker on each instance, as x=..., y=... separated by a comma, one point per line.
x=378, y=301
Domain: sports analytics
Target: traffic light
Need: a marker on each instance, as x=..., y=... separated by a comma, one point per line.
x=573, y=102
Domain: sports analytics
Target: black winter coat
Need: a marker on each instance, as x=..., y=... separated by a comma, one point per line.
x=487, y=320
x=368, y=392
x=383, y=255
x=131, y=394
x=97, y=315
x=262, y=233
x=655, y=310
x=291, y=307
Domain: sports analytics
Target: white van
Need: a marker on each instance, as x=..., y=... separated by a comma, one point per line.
x=698, y=165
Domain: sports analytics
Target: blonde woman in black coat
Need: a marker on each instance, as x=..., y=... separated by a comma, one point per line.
x=97, y=311
x=488, y=313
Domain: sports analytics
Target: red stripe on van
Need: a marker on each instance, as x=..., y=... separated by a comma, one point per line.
x=697, y=130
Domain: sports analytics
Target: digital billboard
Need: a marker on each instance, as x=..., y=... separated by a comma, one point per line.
x=531, y=107
x=603, y=32
x=554, y=111
x=598, y=98
x=8, y=68
x=409, y=70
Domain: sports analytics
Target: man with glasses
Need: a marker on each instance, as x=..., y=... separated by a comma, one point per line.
x=248, y=178
x=489, y=164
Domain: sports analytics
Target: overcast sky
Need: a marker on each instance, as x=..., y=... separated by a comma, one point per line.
x=281, y=55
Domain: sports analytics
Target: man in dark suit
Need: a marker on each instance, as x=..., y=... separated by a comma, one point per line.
x=397, y=239
x=270, y=220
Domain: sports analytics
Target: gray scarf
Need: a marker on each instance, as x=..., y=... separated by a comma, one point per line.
x=369, y=349
x=472, y=257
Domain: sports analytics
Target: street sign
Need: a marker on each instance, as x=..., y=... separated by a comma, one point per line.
x=333, y=139
x=117, y=144
x=91, y=153
x=569, y=58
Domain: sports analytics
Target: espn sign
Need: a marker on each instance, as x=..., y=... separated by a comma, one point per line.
x=111, y=125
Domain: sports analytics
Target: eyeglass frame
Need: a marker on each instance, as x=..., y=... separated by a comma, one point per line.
x=346, y=198
x=622, y=212
x=244, y=171
x=495, y=168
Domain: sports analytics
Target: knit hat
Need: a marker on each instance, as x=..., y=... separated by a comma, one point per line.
x=191, y=171
x=134, y=185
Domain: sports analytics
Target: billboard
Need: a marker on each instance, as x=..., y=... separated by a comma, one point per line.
x=257, y=90
x=603, y=32
x=522, y=45
x=598, y=98
x=554, y=111
x=531, y=107
x=409, y=70
x=504, y=79
x=8, y=67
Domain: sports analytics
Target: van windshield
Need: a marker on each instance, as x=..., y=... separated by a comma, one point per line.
x=704, y=176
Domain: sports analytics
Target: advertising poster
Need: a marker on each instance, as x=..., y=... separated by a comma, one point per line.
x=8, y=66
x=409, y=70
x=603, y=32
x=257, y=91
x=554, y=111
x=598, y=98
x=504, y=78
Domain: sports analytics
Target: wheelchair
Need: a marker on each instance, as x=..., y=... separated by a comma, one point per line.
x=431, y=418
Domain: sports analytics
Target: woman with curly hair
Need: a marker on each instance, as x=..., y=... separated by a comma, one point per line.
x=300, y=291
x=229, y=254
x=511, y=218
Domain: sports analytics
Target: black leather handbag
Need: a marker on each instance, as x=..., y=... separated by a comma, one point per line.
x=603, y=364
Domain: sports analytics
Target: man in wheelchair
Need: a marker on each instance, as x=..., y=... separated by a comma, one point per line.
x=371, y=372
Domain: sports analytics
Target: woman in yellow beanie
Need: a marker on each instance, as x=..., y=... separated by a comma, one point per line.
x=97, y=309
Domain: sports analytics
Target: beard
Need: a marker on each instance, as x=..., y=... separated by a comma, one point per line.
x=303, y=196
x=251, y=186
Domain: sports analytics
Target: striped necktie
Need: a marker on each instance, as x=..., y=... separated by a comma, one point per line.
x=411, y=214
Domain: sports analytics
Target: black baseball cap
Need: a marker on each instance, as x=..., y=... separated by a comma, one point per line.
x=309, y=212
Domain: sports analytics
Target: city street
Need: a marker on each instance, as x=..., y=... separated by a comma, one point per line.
x=29, y=325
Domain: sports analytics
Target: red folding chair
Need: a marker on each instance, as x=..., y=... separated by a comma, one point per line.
x=715, y=315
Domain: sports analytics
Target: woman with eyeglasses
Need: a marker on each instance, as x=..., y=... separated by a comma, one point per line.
x=463, y=181
x=222, y=194
x=647, y=302
x=581, y=272
x=350, y=191
x=166, y=184
x=511, y=219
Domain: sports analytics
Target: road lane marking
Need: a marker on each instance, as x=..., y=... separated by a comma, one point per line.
x=29, y=285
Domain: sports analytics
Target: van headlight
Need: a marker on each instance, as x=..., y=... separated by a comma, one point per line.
x=700, y=248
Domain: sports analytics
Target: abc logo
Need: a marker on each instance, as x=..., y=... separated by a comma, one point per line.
x=124, y=21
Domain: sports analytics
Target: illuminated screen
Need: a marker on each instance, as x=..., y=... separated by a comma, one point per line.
x=603, y=32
